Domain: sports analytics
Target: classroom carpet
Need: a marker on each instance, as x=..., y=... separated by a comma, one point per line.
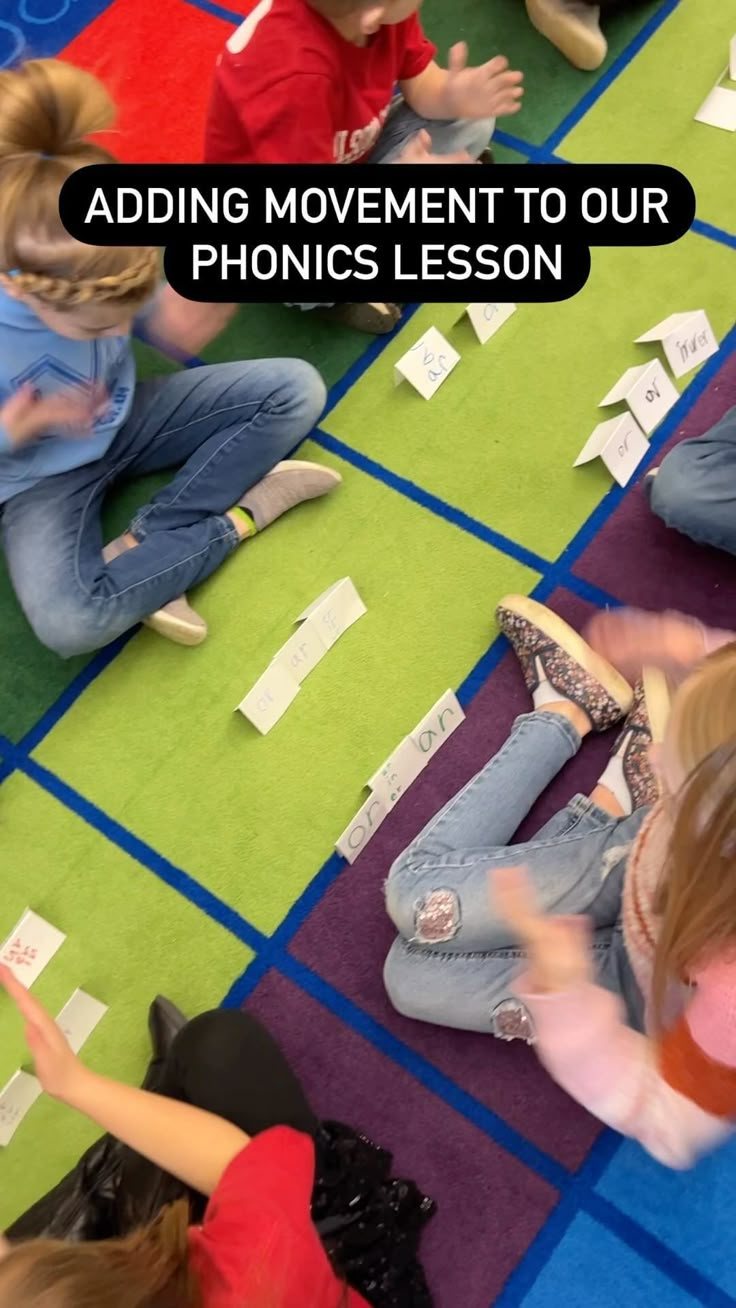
x=182, y=853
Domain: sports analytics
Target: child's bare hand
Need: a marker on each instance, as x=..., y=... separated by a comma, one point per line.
x=57, y=1067
x=418, y=151
x=631, y=639
x=490, y=91
x=27, y=415
x=556, y=947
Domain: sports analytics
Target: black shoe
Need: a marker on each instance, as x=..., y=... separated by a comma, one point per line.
x=165, y=1020
x=486, y=156
x=85, y=1205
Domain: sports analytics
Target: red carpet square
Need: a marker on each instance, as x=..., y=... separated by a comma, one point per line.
x=161, y=82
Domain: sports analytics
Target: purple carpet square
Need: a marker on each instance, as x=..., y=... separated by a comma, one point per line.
x=348, y=935
x=489, y=1205
x=642, y=562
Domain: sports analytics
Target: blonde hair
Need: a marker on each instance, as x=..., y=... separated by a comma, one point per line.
x=697, y=899
x=148, y=1269
x=48, y=110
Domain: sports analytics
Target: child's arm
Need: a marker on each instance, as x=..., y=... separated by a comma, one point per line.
x=631, y=639
x=490, y=91
x=180, y=326
x=192, y=1145
x=676, y=1096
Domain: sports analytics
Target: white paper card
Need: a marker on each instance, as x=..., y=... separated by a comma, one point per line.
x=438, y=725
x=334, y=611
x=398, y=773
x=487, y=318
x=79, y=1017
x=732, y=60
x=19, y=1095
x=719, y=109
x=270, y=697
x=30, y=946
x=648, y=392
x=620, y=443
x=363, y=827
x=687, y=339
x=302, y=651
x=427, y=364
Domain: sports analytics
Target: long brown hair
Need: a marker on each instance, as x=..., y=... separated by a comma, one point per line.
x=148, y=1269
x=48, y=110
x=697, y=899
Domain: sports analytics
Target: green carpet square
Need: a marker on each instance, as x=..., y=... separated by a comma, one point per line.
x=155, y=740
x=515, y=413
x=129, y=937
x=647, y=116
x=271, y=331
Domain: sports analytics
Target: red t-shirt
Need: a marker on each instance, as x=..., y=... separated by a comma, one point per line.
x=257, y=1246
x=289, y=89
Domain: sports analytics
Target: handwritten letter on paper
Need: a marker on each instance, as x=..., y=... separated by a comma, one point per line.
x=30, y=946
x=648, y=392
x=687, y=340
x=620, y=443
x=19, y=1095
x=393, y=779
x=487, y=318
x=427, y=364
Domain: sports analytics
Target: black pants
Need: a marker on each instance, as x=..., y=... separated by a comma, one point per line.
x=226, y=1063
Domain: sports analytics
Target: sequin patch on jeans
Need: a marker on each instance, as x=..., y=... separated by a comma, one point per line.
x=510, y=1020
x=436, y=917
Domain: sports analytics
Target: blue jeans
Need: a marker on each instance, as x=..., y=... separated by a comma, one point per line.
x=471, y=134
x=224, y=427
x=454, y=962
x=695, y=488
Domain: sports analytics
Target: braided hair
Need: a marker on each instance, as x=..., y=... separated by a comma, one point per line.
x=48, y=111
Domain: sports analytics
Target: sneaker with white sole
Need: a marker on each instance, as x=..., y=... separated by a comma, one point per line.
x=630, y=764
x=549, y=650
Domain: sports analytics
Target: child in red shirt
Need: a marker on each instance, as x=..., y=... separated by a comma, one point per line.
x=315, y=81
x=230, y=1120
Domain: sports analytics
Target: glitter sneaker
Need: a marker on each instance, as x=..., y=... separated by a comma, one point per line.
x=644, y=725
x=549, y=650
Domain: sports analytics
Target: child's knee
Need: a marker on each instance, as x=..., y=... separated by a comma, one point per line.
x=67, y=629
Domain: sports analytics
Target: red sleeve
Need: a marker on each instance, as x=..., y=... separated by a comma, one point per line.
x=418, y=51
x=277, y=1165
x=293, y=123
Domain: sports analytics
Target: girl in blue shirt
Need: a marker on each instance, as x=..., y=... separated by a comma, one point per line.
x=73, y=419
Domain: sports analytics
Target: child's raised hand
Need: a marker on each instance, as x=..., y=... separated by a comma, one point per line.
x=631, y=639
x=27, y=415
x=57, y=1067
x=490, y=91
x=556, y=947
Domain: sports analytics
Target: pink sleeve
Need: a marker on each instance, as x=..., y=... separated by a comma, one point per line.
x=586, y=1046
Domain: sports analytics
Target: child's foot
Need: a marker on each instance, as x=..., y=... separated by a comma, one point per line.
x=286, y=485
x=559, y=666
x=375, y=319
x=177, y=621
x=486, y=156
x=574, y=27
x=629, y=775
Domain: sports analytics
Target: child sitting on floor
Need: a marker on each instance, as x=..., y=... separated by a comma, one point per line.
x=73, y=421
x=314, y=81
x=654, y=871
x=217, y=1186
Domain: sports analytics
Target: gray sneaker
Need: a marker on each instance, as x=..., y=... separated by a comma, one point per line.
x=288, y=484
